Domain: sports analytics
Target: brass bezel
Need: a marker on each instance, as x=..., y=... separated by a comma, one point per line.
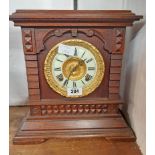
x=88, y=88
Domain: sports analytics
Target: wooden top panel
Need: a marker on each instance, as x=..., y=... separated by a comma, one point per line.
x=73, y=17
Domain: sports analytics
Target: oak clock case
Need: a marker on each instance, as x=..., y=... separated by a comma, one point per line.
x=73, y=62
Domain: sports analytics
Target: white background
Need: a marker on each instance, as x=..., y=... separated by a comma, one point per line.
x=133, y=72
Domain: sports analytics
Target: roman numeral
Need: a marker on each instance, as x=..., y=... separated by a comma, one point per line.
x=60, y=77
x=82, y=82
x=88, y=77
x=75, y=53
x=85, y=59
x=91, y=68
x=74, y=84
x=65, y=82
x=66, y=55
x=57, y=69
x=59, y=60
x=83, y=54
x=89, y=60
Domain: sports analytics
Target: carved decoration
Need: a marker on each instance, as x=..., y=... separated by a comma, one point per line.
x=74, y=109
x=89, y=33
x=32, y=76
x=27, y=40
x=115, y=70
x=35, y=110
x=74, y=33
x=58, y=33
x=119, y=41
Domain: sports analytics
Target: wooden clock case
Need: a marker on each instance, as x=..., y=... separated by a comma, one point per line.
x=52, y=115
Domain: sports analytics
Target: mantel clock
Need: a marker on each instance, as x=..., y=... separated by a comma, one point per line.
x=73, y=61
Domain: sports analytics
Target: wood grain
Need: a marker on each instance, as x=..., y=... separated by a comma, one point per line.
x=33, y=78
x=116, y=63
x=34, y=98
x=114, y=83
x=68, y=146
x=32, y=71
x=114, y=77
x=30, y=57
x=31, y=64
x=33, y=84
x=116, y=56
x=72, y=18
x=115, y=70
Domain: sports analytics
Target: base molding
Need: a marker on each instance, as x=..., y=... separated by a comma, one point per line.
x=35, y=131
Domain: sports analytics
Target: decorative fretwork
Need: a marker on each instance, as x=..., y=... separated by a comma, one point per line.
x=27, y=39
x=74, y=33
x=74, y=109
x=119, y=40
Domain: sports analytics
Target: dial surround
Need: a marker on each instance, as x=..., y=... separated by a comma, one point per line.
x=85, y=69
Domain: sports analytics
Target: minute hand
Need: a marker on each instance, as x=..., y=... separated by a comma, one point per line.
x=70, y=74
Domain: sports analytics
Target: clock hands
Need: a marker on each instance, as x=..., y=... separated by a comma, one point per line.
x=66, y=81
x=73, y=69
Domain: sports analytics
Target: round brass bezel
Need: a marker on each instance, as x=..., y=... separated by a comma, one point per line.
x=89, y=88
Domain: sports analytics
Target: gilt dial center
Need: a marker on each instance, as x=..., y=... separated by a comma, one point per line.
x=74, y=68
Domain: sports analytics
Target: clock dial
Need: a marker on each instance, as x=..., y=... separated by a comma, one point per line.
x=75, y=70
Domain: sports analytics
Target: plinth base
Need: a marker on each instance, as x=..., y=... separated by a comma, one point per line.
x=38, y=130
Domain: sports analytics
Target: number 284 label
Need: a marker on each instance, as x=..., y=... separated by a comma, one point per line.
x=74, y=91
